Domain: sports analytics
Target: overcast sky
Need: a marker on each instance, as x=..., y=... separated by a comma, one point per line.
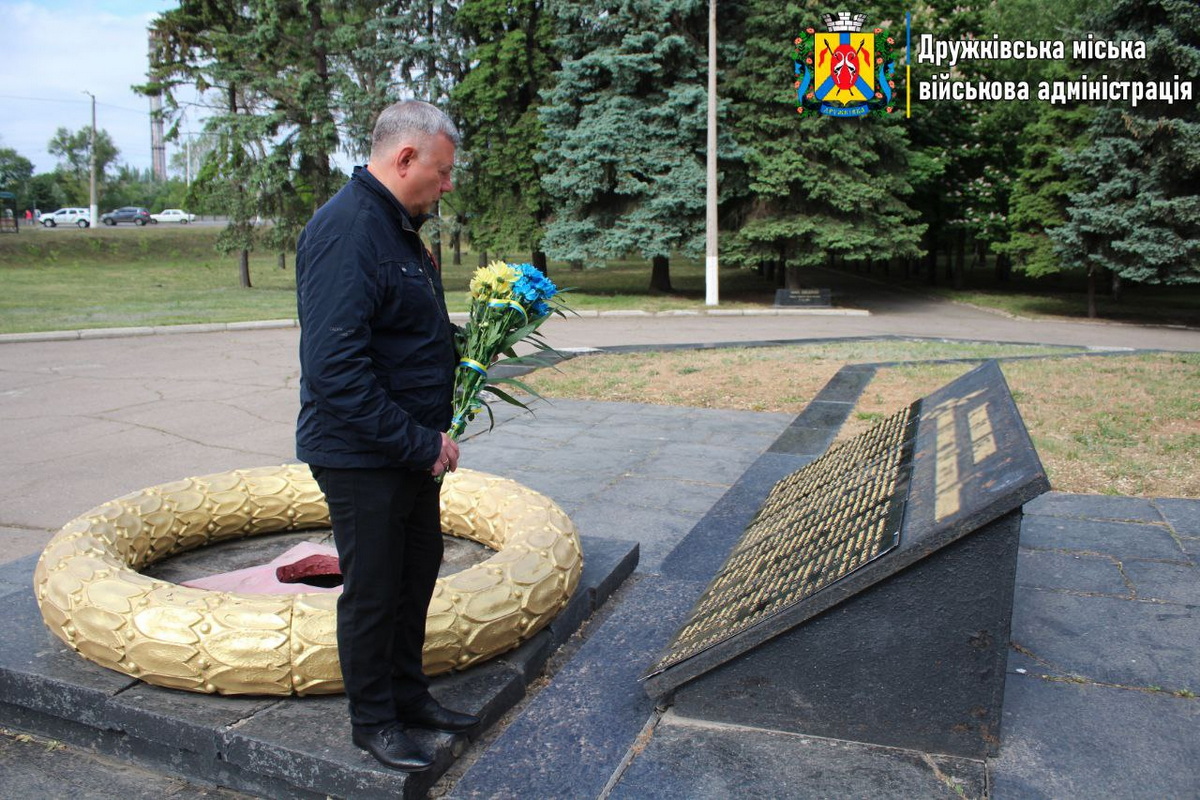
x=51, y=52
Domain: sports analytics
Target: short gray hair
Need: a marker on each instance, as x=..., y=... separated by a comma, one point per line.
x=407, y=119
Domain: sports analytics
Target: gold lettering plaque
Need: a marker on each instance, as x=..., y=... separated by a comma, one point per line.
x=816, y=526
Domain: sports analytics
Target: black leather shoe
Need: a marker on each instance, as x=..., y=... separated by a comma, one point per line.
x=392, y=748
x=433, y=715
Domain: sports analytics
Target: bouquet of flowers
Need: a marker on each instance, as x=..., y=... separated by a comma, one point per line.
x=509, y=302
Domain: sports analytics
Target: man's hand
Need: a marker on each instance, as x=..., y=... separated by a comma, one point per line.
x=447, y=460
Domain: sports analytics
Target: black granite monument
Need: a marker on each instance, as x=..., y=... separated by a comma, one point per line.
x=870, y=598
x=804, y=298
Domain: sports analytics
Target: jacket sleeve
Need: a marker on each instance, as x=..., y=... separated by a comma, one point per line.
x=338, y=295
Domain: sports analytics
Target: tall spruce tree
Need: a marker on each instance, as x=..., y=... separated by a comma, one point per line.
x=1031, y=138
x=1042, y=188
x=819, y=187
x=625, y=126
x=1138, y=213
x=497, y=102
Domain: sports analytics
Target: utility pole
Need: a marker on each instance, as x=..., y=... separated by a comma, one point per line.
x=187, y=158
x=712, y=294
x=93, y=210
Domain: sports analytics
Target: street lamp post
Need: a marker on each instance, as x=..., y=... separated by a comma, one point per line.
x=711, y=288
x=93, y=209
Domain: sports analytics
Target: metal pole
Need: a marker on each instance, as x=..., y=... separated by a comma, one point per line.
x=93, y=209
x=711, y=288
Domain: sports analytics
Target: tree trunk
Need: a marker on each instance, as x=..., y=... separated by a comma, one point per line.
x=1117, y=286
x=483, y=261
x=456, y=243
x=282, y=259
x=959, y=264
x=321, y=176
x=539, y=262
x=1091, y=293
x=244, y=268
x=435, y=236
x=577, y=265
x=660, y=274
x=1003, y=268
x=792, y=281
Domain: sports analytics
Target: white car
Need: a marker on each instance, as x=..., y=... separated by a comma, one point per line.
x=79, y=217
x=173, y=215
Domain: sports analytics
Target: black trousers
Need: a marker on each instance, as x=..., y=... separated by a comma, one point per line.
x=386, y=524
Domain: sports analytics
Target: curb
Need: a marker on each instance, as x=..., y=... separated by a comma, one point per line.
x=457, y=316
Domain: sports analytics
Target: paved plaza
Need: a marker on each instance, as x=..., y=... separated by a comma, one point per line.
x=1103, y=665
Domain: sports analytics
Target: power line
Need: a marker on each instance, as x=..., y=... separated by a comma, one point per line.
x=72, y=102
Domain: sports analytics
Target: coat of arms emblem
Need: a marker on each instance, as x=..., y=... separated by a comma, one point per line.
x=846, y=72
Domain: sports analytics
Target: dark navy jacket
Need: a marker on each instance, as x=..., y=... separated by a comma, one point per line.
x=376, y=348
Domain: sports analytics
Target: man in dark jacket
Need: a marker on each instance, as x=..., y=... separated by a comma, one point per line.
x=376, y=384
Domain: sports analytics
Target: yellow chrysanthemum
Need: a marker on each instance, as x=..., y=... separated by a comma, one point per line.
x=493, y=281
x=481, y=283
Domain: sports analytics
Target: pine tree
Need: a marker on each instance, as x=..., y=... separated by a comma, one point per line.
x=625, y=127
x=1041, y=189
x=818, y=187
x=497, y=102
x=1138, y=213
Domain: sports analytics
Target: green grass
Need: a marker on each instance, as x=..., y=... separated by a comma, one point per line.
x=165, y=275
x=70, y=279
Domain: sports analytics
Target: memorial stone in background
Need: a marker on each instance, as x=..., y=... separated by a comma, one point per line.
x=810, y=298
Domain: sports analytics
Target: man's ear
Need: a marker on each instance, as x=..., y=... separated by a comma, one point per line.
x=404, y=158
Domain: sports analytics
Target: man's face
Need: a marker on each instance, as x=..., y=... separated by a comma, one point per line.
x=426, y=175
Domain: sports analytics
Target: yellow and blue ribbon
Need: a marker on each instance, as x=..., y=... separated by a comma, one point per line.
x=472, y=364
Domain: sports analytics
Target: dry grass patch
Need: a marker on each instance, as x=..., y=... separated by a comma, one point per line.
x=1127, y=425
x=780, y=379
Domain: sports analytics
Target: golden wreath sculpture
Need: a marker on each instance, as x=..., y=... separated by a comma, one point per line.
x=94, y=598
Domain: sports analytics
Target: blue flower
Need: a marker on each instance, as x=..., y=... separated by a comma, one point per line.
x=532, y=287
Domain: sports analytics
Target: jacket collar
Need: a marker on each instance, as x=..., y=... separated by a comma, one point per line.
x=407, y=220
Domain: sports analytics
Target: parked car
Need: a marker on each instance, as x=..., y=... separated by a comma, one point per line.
x=134, y=214
x=79, y=217
x=173, y=215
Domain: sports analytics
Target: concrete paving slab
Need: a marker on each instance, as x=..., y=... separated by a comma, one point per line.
x=1099, y=507
x=42, y=768
x=1070, y=741
x=658, y=492
x=680, y=760
x=589, y=716
x=17, y=575
x=657, y=531
x=1072, y=572
x=706, y=545
x=1121, y=540
x=1181, y=515
x=21, y=542
x=1176, y=584
x=1126, y=642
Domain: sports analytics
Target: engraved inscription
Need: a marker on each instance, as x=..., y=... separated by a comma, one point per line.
x=948, y=450
x=818, y=525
